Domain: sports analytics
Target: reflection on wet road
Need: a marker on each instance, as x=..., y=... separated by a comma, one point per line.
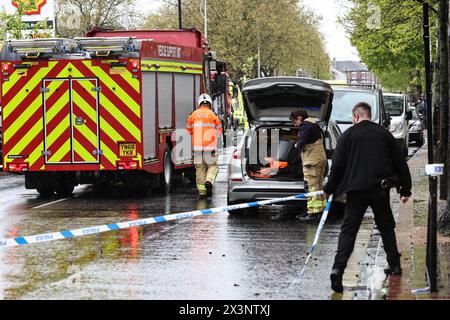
x=208, y=257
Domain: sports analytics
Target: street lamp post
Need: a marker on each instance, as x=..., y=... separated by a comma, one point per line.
x=206, y=19
x=180, y=22
x=431, y=260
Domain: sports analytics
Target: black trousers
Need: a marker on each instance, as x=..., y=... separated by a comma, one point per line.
x=355, y=208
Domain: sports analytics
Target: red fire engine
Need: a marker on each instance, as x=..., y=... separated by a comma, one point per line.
x=100, y=109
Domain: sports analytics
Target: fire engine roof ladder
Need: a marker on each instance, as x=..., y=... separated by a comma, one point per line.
x=105, y=46
x=36, y=48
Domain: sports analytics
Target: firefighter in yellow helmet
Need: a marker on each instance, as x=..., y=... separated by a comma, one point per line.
x=204, y=126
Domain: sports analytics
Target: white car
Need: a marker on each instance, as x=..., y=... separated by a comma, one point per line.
x=268, y=103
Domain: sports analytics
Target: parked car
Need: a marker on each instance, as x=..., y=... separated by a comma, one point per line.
x=268, y=103
x=416, y=127
x=397, y=107
x=345, y=98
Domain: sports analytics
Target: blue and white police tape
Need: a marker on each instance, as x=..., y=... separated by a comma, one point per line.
x=316, y=239
x=20, y=241
x=421, y=291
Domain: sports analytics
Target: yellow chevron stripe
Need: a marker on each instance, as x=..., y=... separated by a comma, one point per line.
x=119, y=92
x=128, y=77
x=82, y=152
x=88, y=134
x=35, y=154
x=83, y=105
x=116, y=113
x=57, y=107
x=32, y=108
x=112, y=133
x=108, y=154
x=62, y=151
x=27, y=138
x=57, y=132
x=7, y=85
x=22, y=94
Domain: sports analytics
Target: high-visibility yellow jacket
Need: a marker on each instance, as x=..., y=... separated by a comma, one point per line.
x=204, y=126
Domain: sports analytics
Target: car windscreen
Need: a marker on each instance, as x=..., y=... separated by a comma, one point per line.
x=394, y=105
x=345, y=100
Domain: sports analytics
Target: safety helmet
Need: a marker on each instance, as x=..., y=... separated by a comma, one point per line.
x=204, y=98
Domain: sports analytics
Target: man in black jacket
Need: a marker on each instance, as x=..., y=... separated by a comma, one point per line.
x=367, y=163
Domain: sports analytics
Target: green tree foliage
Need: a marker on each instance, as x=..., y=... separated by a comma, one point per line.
x=285, y=32
x=388, y=36
x=76, y=17
x=12, y=26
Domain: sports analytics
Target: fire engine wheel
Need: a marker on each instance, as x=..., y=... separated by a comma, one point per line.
x=45, y=193
x=165, y=178
x=64, y=189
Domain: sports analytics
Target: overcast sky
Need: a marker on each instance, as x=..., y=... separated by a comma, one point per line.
x=337, y=43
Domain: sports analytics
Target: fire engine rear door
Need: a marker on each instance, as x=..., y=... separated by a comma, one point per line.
x=57, y=128
x=85, y=120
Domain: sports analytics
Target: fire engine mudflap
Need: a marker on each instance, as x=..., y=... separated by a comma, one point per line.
x=71, y=120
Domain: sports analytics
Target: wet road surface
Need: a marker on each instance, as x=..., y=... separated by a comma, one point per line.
x=208, y=257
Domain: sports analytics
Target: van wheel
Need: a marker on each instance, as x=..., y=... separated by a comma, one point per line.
x=166, y=177
x=45, y=193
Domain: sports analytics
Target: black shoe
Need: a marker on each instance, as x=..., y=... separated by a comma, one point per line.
x=301, y=215
x=393, y=271
x=209, y=188
x=279, y=217
x=336, y=281
x=310, y=218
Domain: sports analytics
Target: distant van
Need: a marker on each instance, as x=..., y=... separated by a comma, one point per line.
x=397, y=107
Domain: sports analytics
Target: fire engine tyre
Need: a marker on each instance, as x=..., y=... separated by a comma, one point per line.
x=45, y=193
x=166, y=177
x=64, y=188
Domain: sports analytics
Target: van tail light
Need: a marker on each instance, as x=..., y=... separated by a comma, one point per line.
x=5, y=67
x=18, y=167
x=127, y=165
x=237, y=154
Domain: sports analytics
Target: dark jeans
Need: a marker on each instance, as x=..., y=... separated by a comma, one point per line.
x=355, y=208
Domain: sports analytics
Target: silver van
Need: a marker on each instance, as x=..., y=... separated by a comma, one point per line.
x=271, y=137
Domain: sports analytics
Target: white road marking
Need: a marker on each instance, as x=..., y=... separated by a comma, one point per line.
x=53, y=202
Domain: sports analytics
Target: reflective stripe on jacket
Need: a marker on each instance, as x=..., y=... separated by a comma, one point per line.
x=204, y=126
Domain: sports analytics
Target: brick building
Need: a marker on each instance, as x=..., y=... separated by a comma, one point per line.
x=355, y=72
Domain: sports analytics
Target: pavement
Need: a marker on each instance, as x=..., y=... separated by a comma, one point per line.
x=411, y=234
